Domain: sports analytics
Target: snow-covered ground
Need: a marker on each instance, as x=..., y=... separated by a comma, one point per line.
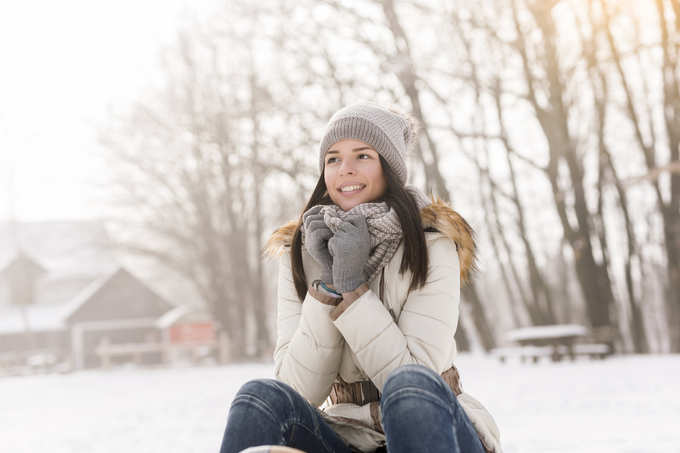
x=621, y=405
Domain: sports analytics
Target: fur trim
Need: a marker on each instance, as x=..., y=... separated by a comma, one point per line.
x=443, y=218
x=438, y=215
x=280, y=239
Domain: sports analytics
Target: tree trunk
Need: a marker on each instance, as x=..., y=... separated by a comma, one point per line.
x=593, y=277
x=541, y=295
x=470, y=295
x=515, y=306
x=462, y=336
x=671, y=212
x=407, y=77
x=260, y=305
x=434, y=178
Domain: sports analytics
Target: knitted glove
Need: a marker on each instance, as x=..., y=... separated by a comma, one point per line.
x=350, y=248
x=317, y=235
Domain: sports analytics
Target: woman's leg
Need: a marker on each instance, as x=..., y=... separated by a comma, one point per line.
x=421, y=413
x=269, y=412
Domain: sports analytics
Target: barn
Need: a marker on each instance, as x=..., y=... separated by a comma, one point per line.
x=65, y=299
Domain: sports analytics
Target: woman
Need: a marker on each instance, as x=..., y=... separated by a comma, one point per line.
x=368, y=298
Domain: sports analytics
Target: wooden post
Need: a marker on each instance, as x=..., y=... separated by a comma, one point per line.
x=77, y=347
x=223, y=347
x=165, y=339
x=103, y=352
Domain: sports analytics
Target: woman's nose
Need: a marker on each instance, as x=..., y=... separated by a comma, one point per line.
x=347, y=168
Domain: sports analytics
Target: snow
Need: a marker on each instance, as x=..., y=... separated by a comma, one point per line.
x=623, y=404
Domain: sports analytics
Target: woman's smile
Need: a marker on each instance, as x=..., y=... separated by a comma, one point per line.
x=351, y=189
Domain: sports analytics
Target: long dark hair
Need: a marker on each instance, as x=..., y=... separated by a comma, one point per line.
x=396, y=196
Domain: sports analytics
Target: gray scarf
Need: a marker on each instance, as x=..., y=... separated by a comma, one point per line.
x=383, y=227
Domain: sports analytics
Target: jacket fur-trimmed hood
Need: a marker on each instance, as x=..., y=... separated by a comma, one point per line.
x=438, y=215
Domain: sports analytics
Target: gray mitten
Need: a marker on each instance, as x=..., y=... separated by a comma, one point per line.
x=350, y=248
x=317, y=235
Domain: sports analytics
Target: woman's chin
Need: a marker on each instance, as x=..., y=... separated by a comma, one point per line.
x=347, y=206
x=347, y=203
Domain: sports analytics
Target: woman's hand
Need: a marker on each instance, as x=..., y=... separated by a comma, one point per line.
x=350, y=248
x=317, y=235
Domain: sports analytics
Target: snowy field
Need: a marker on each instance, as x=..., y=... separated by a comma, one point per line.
x=622, y=405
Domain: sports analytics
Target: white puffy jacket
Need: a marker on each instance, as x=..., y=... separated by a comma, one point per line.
x=372, y=337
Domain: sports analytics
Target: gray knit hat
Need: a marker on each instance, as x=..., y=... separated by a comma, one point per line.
x=386, y=131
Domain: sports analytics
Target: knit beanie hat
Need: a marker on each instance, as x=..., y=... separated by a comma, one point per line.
x=386, y=131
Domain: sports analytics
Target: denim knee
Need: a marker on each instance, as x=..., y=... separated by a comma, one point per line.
x=413, y=375
x=259, y=387
x=271, y=396
x=414, y=379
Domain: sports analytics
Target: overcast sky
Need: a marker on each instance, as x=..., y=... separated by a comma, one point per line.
x=62, y=63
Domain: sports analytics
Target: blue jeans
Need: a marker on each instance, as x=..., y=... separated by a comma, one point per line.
x=420, y=414
x=269, y=412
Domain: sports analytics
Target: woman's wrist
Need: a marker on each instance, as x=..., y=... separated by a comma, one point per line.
x=348, y=299
x=328, y=288
x=356, y=293
x=322, y=295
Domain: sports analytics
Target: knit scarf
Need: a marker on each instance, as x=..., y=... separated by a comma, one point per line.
x=383, y=227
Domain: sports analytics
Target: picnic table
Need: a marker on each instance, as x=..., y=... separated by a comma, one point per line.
x=556, y=341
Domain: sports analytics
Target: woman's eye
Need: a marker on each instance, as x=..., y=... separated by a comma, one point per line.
x=332, y=160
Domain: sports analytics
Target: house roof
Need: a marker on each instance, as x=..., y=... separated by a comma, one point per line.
x=73, y=254
x=45, y=316
x=119, y=295
x=23, y=261
x=51, y=317
x=78, y=259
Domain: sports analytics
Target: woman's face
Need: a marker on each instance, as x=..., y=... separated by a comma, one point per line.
x=353, y=174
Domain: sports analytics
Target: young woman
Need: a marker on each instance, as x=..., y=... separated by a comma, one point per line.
x=368, y=299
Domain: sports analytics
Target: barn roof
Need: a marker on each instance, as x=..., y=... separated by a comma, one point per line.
x=78, y=260
x=53, y=317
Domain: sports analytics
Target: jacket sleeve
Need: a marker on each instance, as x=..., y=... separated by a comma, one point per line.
x=308, y=346
x=426, y=326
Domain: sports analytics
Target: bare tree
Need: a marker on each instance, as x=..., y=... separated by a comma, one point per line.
x=507, y=87
x=608, y=172
x=201, y=200
x=669, y=207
